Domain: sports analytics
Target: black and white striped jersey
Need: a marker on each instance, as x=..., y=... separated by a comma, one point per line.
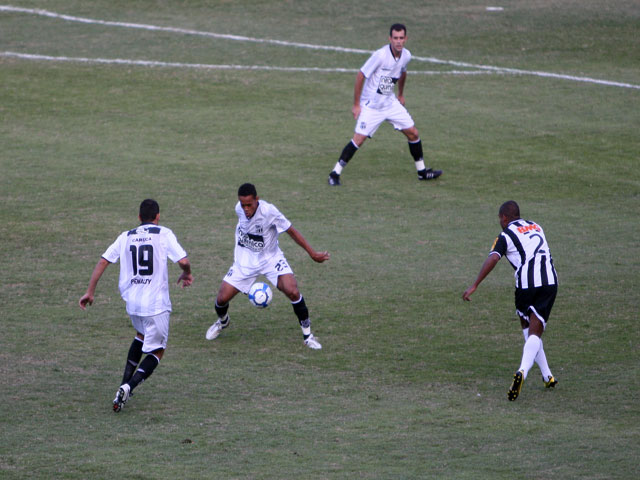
x=525, y=246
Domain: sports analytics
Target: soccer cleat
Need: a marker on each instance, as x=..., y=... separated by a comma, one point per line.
x=551, y=383
x=215, y=329
x=429, y=174
x=312, y=342
x=516, y=386
x=121, y=397
x=334, y=179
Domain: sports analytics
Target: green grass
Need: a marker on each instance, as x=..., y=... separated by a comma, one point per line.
x=411, y=382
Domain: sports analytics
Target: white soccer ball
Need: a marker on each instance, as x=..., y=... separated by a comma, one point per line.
x=260, y=295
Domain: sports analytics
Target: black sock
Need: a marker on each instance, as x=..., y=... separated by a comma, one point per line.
x=133, y=358
x=302, y=312
x=347, y=152
x=222, y=310
x=416, y=150
x=144, y=371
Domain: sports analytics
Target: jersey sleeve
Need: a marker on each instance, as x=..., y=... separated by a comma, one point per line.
x=499, y=246
x=371, y=65
x=281, y=222
x=404, y=66
x=175, y=252
x=112, y=254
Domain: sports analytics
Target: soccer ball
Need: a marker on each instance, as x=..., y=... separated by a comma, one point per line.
x=260, y=295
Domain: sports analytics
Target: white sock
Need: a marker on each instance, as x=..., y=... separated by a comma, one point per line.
x=541, y=358
x=529, y=353
x=338, y=168
x=420, y=165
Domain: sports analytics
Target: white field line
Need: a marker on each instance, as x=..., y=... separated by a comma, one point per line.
x=206, y=66
x=488, y=68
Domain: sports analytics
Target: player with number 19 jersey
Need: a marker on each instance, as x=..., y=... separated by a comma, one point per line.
x=144, y=279
x=526, y=248
x=257, y=237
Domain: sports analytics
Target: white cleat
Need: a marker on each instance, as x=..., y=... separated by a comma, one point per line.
x=312, y=342
x=215, y=329
x=121, y=397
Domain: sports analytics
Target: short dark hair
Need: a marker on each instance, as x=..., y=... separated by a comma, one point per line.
x=149, y=210
x=247, y=189
x=510, y=209
x=397, y=27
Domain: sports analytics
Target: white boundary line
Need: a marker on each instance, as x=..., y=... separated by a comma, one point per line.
x=488, y=68
x=206, y=66
x=156, y=28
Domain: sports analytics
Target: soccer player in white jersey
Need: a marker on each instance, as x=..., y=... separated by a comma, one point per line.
x=257, y=253
x=374, y=101
x=525, y=246
x=144, y=286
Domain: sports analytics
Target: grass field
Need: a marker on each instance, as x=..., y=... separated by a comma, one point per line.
x=411, y=382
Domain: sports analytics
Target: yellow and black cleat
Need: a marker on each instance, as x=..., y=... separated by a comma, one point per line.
x=516, y=386
x=552, y=382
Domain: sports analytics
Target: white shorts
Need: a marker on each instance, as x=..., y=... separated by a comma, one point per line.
x=370, y=119
x=155, y=330
x=242, y=277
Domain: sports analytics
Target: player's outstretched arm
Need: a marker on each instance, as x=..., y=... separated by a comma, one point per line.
x=488, y=265
x=300, y=240
x=185, y=277
x=87, y=298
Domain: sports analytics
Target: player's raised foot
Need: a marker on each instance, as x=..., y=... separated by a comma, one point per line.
x=429, y=174
x=121, y=397
x=312, y=342
x=516, y=386
x=214, y=330
x=334, y=179
x=551, y=383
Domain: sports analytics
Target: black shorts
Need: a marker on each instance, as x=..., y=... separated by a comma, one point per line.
x=538, y=300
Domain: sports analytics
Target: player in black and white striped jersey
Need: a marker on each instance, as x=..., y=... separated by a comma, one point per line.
x=524, y=244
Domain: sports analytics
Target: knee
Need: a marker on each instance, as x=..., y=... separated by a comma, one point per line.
x=291, y=291
x=412, y=134
x=225, y=294
x=158, y=353
x=293, y=295
x=358, y=139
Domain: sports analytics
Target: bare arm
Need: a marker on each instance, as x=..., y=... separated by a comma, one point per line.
x=357, y=92
x=87, y=298
x=488, y=265
x=185, y=277
x=300, y=240
x=401, y=81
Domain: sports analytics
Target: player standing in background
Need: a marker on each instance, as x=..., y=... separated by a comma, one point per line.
x=257, y=253
x=144, y=286
x=374, y=101
x=526, y=248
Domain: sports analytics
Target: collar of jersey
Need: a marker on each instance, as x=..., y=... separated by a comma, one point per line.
x=393, y=56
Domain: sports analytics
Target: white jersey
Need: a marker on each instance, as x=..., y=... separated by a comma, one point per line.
x=257, y=237
x=382, y=72
x=526, y=248
x=144, y=279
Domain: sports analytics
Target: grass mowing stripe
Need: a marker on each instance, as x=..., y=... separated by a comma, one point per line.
x=152, y=63
x=72, y=18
